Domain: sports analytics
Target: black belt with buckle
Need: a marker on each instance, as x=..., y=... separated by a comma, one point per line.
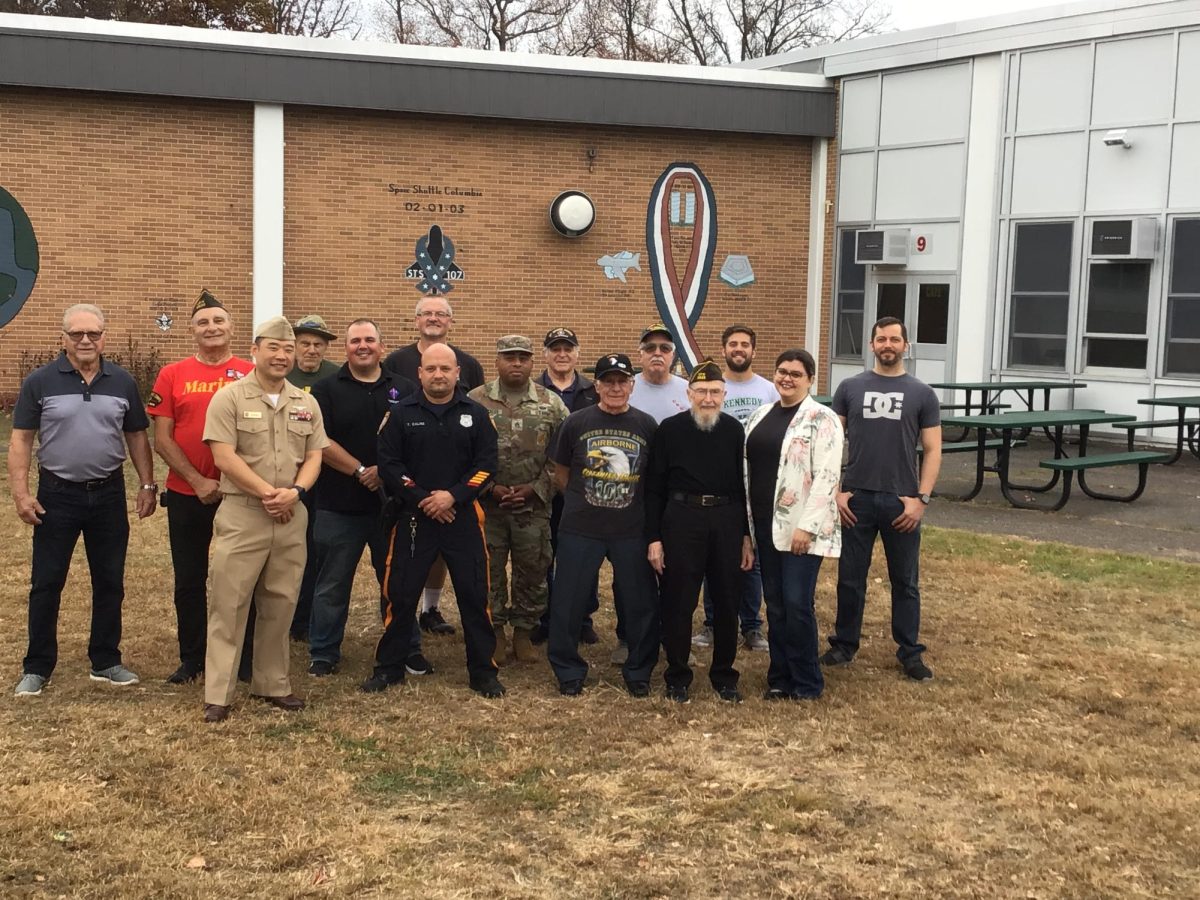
x=91, y=485
x=701, y=499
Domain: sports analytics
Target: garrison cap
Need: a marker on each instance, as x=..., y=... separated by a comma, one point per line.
x=554, y=335
x=514, y=343
x=314, y=325
x=706, y=371
x=206, y=301
x=276, y=329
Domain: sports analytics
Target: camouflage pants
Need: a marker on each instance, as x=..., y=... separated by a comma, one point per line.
x=523, y=538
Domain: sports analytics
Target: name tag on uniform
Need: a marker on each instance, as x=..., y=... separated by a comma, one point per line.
x=252, y=414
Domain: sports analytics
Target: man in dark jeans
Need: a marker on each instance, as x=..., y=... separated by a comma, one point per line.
x=86, y=411
x=885, y=412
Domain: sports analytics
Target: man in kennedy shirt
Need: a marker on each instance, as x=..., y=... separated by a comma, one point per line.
x=86, y=411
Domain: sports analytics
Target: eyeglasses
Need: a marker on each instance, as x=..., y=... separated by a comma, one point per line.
x=790, y=374
x=77, y=336
x=434, y=315
x=658, y=348
x=707, y=391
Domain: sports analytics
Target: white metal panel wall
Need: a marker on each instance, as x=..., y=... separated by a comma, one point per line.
x=1120, y=179
x=942, y=243
x=860, y=112
x=1055, y=89
x=1133, y=80
x=920, y=183
x=1185, y=173
x=1048, y=173
x=856, y=187
x=1187, y=79
x=925, y=105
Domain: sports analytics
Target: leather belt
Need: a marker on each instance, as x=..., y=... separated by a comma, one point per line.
x=91, y=485
x=701, y=499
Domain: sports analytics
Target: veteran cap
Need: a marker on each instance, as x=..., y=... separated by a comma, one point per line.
x=554, y=335
x=206, y=301
x=275, y=329
x=658, y=328
x=314, y=325
x=614, y=362
x=706, y=371
x=514, y=343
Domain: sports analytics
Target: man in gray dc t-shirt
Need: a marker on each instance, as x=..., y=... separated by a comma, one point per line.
x=885, y=412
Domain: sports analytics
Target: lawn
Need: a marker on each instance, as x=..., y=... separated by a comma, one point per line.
x=1055, y=754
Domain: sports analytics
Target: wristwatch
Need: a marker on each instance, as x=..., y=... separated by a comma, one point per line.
x=303, y=492
x=359, y=471
x=924, y=498
x=150, y=487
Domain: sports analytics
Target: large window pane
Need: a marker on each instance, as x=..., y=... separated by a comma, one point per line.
x=1040, y=303
x=851, y=298
x=1116, y=353
x=1039, y=314
x=1183, y=301
x=1117, y=297
x=1185, y=257
x=889, y=300
x=933, y=311
x=1183, y=318
x=1183, y=358
x=1037, y=351
x=1043, y=258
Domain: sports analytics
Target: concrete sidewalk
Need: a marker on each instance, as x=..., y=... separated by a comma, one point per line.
x=1163, y=522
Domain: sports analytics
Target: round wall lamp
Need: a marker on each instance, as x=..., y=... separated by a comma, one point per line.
x=572, y=213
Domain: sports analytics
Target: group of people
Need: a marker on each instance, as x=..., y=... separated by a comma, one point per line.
x=284, y=468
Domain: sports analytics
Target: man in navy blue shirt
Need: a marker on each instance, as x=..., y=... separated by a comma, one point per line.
x=86, y=411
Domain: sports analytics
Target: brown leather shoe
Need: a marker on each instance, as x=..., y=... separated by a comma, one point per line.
x=290, y=703
x=522, y=647
x=215, y=713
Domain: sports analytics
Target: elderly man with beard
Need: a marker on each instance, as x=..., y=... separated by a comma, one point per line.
x=696, y=528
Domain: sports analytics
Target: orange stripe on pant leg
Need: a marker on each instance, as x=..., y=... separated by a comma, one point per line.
x=481, y=519
x=387, y=579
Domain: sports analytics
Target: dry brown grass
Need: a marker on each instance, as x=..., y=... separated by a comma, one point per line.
x=1056, y=754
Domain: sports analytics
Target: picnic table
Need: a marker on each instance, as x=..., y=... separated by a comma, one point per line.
x=1184, y=426
x=1054, y=422
x=990, y=391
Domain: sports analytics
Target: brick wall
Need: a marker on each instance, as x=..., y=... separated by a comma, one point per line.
x=137, y=203
x=348, y=240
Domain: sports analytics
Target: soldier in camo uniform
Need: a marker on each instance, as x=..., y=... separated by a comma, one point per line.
x=525, y=416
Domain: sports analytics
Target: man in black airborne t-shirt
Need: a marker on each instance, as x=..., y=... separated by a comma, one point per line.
x=885, y=412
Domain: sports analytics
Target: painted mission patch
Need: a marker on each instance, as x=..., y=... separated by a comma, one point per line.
x=18, y=257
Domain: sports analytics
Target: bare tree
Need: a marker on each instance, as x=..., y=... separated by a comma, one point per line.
x=697, y=28
x=480, y=24
x=315, y=18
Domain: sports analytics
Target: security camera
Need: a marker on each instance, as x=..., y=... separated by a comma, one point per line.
x=1116, y=138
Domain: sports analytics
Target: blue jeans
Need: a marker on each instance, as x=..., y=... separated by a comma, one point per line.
x=789, y=587
x=579, y=560
x=751, y=602
x=100, y=515
x=340, y=539
x=875, y=512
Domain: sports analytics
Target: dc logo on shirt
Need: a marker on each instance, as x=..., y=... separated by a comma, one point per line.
x=878, y=405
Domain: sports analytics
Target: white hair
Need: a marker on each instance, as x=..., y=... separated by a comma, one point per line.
x=449, y=308
x=89, y=308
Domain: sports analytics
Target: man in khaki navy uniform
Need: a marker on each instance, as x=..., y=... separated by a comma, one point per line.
x=266, y=437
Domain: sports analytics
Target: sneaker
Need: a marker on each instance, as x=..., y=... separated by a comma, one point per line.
x=185, y=674
x=540, y=634
x=431, y=620
x=30, y=685
x=835, y=657
x=638, y=688
x=729, y=694
x=588, y=634
x=703, y=637
x=620, y=655
x=491, y=688
x=380, y=682
x=572, y=688
x=677, y=693
x=916, y=669
x=320, y=668
x=754, y=640
x=118, y=675
x=417, y=664
x=771, y=694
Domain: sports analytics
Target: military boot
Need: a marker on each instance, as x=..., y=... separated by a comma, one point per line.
x=501, y=654
x=522, y=646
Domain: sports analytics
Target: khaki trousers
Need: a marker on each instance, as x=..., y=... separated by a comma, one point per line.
x=254, y=558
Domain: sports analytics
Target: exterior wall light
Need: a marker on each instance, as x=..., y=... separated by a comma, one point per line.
x=572, y=214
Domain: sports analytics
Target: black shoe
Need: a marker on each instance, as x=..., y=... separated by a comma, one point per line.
x=729, y=694
x=490, y=688
x=638, y=688
x=916, y=669
x=776, y=694
x=380, y=682
x=244, y=677
x=539, y=634
x=676, y=692
x=319, y=668
x=417, y=664
x=185, y=674
x=835, y=657
x=300, y=637
x=572, y=688
x=588, y=634
x=431, y=620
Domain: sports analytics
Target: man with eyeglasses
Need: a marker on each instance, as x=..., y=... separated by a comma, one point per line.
x=697, y=528
x=433, y=318
x=655, y=390
x=85, y=411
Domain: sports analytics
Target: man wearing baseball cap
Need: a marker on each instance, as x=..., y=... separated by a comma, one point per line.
x=655, y=390
x=599, y=458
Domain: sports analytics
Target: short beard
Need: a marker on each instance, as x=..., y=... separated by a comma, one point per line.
x=739, y=367
x=706, y=421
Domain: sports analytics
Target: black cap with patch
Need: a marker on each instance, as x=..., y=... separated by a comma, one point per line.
x=614, y=362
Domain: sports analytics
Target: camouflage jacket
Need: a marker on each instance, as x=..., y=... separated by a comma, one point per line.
x=523, y=434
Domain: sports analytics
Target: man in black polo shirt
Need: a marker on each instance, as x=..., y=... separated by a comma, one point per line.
x=437, y=454
x=354, y=402
x=85, y=410
x=697, y=528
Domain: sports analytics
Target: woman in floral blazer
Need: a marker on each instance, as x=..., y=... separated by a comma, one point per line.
x=793, y=466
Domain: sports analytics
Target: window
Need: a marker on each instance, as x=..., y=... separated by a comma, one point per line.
x=1183, y=301
x=851, y=295
x=1041, y=294
x=1115, y=330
